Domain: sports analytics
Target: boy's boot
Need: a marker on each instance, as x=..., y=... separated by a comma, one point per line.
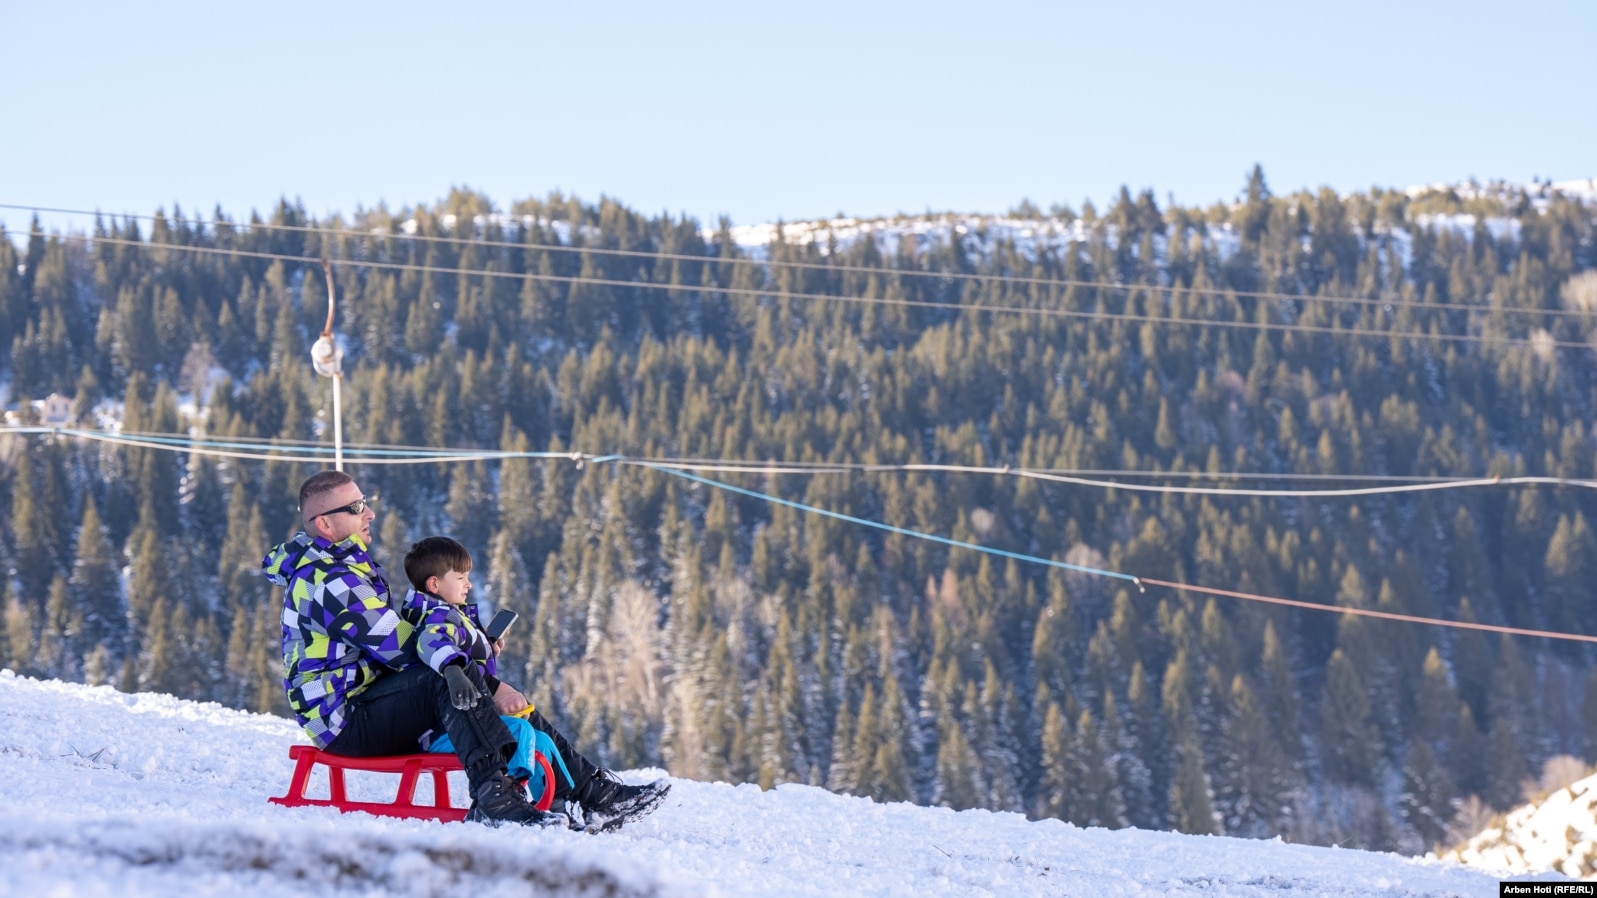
x=608, y=803
x=499, y=799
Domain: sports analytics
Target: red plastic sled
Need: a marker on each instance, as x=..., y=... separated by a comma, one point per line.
x=409, y=768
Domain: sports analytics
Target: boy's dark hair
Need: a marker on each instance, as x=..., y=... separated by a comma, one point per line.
x=435, y=556
x=316, y=484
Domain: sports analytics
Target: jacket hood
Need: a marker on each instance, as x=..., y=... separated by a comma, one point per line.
x=281, y=562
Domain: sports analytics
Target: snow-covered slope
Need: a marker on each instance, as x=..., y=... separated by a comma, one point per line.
x=1557, y=833
x=104, y=793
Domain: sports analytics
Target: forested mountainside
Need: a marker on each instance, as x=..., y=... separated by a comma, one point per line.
x=725, y=637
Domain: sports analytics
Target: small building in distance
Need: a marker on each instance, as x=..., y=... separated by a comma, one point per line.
x=53, y=410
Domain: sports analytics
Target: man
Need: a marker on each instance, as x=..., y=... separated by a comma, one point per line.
x=357, y=687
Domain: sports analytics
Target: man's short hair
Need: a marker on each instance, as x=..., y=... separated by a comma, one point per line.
x=435, y=556
x=316, y=485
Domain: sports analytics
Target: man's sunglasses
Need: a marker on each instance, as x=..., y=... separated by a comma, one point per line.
x=356, y=507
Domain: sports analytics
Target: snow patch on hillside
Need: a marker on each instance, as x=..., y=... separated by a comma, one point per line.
x=1557, y=833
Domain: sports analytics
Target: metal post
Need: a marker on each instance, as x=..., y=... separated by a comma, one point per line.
x=338, y=422
x=328, y=360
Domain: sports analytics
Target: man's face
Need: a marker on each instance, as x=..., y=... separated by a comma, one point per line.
x=335, y=523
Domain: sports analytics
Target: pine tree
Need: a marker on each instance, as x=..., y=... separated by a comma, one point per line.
x=151, y=589
x=1281, y=704
x=20, y=645
x=1053, y=639
x=1571, y=599
x=1437, y=704
x=1253, y=780
x=1131, y=771
x=39, y=525
x=998, y=745
x=886, y=773
x=508, y=585
x=1055, y=787
x=264, y=690
x=1347, y=734
x=1094, y=791
x=1472, y=662
x=59, y=654
x=1589, y=714
x=1468, y=756
x=842, y=773
x=96, y=585
x=1191, y=794
x=959, y=779
x=160, y=663
x=1506, y=765
x=1427, y=798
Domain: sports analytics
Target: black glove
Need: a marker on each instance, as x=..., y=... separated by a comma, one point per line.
x=462, y=692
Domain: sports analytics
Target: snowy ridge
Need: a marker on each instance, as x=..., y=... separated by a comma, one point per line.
x=1557, y=833
x=981, y=234
x=147, y=795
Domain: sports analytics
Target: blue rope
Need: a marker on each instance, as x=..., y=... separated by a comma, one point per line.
x=599, y=460
x=1018, y=556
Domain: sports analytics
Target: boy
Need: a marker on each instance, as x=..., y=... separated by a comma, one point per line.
x=448, y=632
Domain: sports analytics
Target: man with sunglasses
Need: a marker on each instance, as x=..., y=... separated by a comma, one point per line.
x=352, y=675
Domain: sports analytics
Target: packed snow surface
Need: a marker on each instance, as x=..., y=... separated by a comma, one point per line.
x=146, y=795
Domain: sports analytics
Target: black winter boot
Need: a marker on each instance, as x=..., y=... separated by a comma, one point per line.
x=500, y=800
x=608, y=803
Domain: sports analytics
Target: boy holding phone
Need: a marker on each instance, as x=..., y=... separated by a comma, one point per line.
x=449, y=633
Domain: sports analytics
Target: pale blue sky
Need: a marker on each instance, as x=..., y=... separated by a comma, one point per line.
x=764, y=110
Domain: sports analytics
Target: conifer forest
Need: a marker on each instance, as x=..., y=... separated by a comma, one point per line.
x=1308, y=340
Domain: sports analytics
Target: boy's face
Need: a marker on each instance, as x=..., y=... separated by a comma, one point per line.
x=451, y=587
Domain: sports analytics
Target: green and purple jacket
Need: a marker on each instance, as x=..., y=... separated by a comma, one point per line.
x=340, y=631
x=448, y=633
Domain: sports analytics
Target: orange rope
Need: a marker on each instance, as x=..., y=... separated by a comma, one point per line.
x=1365, y=612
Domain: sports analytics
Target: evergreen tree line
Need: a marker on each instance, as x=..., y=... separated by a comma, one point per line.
x=724, y=637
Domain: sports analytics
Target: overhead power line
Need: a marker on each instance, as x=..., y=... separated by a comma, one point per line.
x=752, y=292
x=1026, y=280
x=766, y=467
x=1141, y=582
x=305, y=453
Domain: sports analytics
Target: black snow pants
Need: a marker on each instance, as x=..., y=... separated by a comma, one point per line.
x=390, y=716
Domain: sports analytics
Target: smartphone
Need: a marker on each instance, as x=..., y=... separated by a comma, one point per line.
x=500, y=623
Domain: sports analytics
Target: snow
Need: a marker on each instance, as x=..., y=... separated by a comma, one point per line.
x=147, y=795
x=1557, y=833
x=1464, y=224
x=1029, y=235
x=1579, y=189
x=980, y=234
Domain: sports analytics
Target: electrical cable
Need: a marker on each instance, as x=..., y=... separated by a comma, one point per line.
x=754, y=466
x=711, y=465
x=1435, y=484
x=401, y=455
x=1140, y=581
x=865, y=300
x=1393, y=302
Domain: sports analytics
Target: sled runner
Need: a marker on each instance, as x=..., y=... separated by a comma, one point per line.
x=409, y=768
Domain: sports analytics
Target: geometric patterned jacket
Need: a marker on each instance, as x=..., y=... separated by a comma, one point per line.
x=448, y=633
x=340, y=630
